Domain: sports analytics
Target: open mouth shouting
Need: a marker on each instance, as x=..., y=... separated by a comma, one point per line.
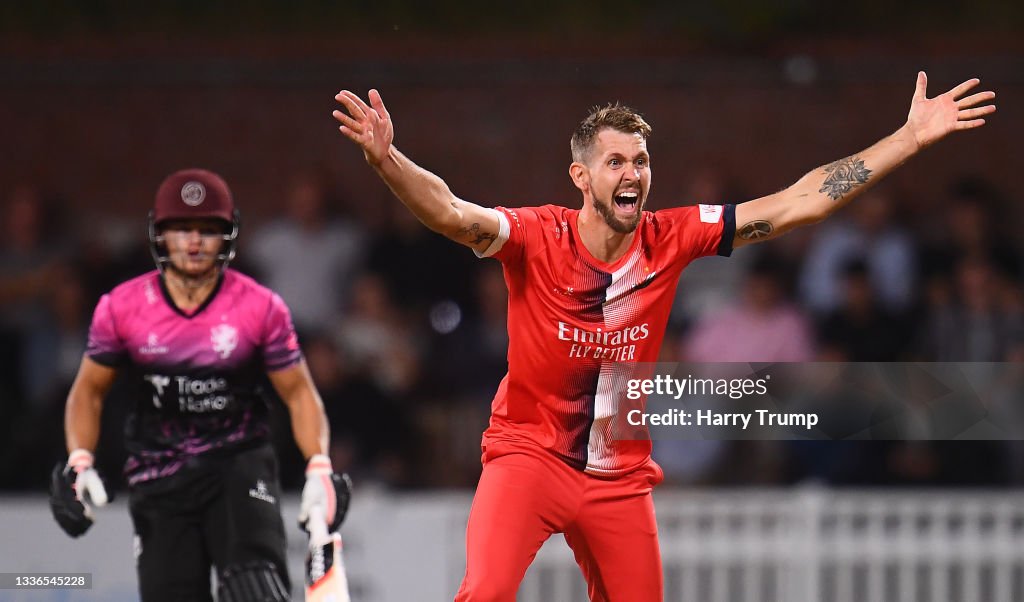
x=627, y=201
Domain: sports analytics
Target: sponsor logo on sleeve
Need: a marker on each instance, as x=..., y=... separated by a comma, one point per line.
x=710, y=214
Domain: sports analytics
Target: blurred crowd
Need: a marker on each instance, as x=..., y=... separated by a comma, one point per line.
x=405, y=332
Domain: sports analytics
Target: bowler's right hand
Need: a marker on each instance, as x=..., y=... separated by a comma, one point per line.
x=368, y=126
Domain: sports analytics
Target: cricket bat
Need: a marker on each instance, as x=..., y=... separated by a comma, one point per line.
x=325, y=572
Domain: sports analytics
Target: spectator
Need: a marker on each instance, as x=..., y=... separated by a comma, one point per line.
x=974, y=324
x=451, y=274
x=378, y=339
x=31, y=258
x=309, y=257
x=372, y=437
x=970, y=228
x=763, y=326
x=476, y=375
x=870, y=233
x=860, y=329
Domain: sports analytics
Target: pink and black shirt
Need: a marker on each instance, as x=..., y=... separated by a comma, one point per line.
x=198, y=384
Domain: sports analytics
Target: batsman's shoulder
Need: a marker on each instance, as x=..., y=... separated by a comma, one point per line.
x=247, y=289
x=136, y=285
x=235, y=280
x=132, y=296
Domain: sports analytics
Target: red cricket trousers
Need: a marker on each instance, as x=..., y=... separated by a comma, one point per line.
x=527, y=494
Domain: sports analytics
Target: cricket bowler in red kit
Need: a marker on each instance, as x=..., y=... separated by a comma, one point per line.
x=590, y=290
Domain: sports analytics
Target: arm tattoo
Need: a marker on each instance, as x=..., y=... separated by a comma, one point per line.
x=843, y=176
x=478, y=235
x=755, y=230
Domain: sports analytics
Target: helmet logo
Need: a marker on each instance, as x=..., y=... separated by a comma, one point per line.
x=193, y=193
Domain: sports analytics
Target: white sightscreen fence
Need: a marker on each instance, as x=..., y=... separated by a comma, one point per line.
x=817, y=544
x=792, y=545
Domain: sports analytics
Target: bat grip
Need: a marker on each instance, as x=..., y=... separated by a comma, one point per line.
x=317, y=525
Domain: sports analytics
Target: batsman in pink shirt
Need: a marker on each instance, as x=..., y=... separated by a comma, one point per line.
x=194, y=339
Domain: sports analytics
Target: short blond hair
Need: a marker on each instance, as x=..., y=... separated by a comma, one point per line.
x=613, y=116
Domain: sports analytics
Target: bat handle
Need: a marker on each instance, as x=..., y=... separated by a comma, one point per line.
x=317, y=525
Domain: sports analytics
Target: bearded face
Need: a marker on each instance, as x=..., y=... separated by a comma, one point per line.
x=620, y=178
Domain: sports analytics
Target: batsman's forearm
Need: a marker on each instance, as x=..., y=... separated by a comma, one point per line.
x=425, y=194
x=825, y=190
x=309, y=426
x=82, y=421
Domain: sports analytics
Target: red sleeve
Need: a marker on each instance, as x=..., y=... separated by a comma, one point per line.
x=700, y=230
x=516, y=228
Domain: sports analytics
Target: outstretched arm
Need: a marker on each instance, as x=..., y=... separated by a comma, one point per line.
x=425, y=194
x=823, y=191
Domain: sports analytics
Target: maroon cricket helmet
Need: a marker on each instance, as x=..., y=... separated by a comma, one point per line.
x=193, y=194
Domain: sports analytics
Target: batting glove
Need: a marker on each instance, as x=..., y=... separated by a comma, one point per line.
x=74, y=488
x=323, y=488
